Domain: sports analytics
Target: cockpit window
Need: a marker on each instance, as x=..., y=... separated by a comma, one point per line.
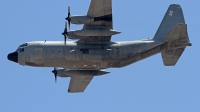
x=23, y=45
x=21, y=50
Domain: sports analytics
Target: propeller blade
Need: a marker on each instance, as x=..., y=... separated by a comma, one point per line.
x=69, y=17
x=55, y=78
x=69, y=24
x=65, y=40
x=68, y=10
x=66, y=25
x=65, y=30
x=55, y=74
x=65, y=33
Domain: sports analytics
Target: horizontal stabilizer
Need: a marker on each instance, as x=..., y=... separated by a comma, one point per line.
x=177, y=40
x=170, y=57
x=178, y=33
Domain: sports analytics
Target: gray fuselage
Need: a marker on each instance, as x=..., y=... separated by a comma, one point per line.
x=82, y=56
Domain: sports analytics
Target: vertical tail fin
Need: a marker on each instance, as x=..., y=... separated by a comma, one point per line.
x=173, y=31
x=173, y=16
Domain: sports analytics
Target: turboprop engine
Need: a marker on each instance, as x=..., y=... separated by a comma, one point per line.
x=81, y=19
x=93, y=32
x=70, y=73
x=84, y=19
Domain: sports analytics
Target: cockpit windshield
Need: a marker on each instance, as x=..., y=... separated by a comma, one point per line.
x=23, y=45
x=20, y=50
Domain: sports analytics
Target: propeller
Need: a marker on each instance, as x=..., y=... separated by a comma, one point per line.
x=68, y=17
x=65, y=33
x=55, y=74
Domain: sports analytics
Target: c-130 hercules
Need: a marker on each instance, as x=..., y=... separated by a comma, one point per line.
x=94, y=50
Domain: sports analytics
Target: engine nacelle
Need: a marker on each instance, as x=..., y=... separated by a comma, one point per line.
x=93, y=32
x=72, y=35
x=81, y=19
x=70, y=73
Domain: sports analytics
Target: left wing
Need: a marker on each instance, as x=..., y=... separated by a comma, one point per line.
x=79, y=83
x=101, y=11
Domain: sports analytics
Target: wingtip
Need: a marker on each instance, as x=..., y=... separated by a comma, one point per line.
x=175, y=4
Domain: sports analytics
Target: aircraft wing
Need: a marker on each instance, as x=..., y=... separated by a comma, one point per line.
x=79, y=83
x=101, y=11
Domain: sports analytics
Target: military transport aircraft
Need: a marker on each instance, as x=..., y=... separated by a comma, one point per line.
x=94, y=51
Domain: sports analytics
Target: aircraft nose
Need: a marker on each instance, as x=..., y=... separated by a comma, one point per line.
x=13, y=57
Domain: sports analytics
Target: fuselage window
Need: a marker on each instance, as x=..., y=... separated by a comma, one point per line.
x=85, y=51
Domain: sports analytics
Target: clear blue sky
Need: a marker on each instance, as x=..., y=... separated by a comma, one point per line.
x=145, y=86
